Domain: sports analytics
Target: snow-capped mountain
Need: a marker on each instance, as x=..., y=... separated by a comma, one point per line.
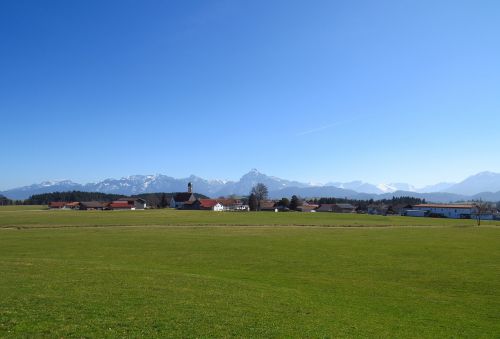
x=137, y=184
x=247, y=181
x=479, y=183
x=364, y=187
x=44, y=187
x=358, y=186
x=439, y=187
x=475, y=186
x=399, y=186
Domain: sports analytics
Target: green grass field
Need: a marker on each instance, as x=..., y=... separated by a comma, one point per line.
x=159, y=279
x=40, y=216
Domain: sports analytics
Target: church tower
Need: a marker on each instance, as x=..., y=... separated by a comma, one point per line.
x=190, y=187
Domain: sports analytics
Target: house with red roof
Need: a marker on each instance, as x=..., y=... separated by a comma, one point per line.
x=211, y=204
x=138, y=203
x=63, y=205
x=120, y=205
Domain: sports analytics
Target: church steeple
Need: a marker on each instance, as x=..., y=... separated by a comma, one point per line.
x=190, y=187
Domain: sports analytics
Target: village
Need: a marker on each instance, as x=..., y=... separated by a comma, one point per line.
x=189, y=201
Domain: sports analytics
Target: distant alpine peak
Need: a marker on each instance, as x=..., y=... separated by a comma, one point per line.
x=138, y=177
x=485, y=174
x=135, y=184
x=57, y=182
x=253, y=173
x=386, y=188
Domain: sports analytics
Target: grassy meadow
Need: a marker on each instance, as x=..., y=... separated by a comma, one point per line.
x=40, y=216
x=61, y=276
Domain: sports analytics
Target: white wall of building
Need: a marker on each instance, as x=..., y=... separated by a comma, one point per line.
x=218, y=207
x=448, y=212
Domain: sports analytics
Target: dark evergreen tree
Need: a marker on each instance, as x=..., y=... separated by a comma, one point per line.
x=152, y=199
x=294, y=203
x=163, y=200
x=4, y=201
x=284, y=202
x=44, y=199
x=252, y=202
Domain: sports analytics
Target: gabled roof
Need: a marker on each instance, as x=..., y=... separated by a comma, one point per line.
x=228, y=202
x=120, y=205
x=208, y=203
x=333, y=207
x=444, y=206
x=132, y=199
x=182, y=197
x=325, y=207
x=57, y=203
x=307, y=207
x=345, y=206
x=267, y=204
x=93, y=204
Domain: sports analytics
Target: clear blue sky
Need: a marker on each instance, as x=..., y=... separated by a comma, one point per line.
x=382, y=91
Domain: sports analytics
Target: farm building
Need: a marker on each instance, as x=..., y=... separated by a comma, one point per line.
x=211, y=204
x=233, y=205
x=56, y=205
x=414, y=213
x=268, y=205
x=484, y=215
x=138, y=203
x=120, y=205
x=92, y=205
x=307, y=208
x=63, y=205
x=216, y=205
x=238, y=207
x=454, y=211
x=338, y=208
x=376, y=209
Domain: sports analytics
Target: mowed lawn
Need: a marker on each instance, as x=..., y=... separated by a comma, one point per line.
x=250, y=281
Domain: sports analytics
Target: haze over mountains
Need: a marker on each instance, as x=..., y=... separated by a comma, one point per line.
x=485, y=185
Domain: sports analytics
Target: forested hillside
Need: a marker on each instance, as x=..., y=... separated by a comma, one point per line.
x=152, y=199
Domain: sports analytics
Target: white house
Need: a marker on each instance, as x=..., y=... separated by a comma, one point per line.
x=218, y=207
x=454, y=211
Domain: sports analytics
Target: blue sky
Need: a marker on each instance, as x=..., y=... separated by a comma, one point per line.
x=382, y=91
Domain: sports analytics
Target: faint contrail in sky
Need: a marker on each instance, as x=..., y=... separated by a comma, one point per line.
x=319, y=128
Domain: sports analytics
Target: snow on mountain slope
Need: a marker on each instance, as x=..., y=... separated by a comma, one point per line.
x=135, y=184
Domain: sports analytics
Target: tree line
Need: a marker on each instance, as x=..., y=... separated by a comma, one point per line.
x=45, y=198
x=259, y=193
x=155, y=200
x=4, y=201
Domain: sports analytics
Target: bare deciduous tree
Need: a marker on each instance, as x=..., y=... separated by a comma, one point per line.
x=480, y=207
x=260, y=192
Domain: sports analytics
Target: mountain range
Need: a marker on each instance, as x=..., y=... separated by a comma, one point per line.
x=484, y=185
